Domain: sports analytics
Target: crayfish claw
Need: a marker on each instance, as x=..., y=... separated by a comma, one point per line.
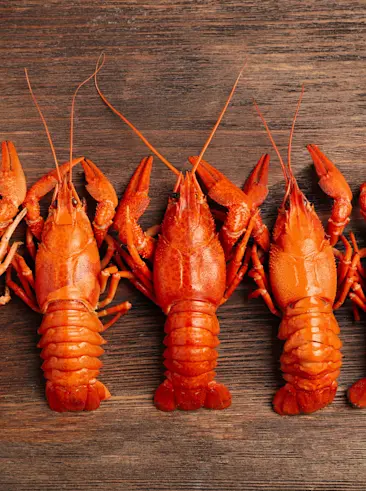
x=219, y=188
x=134, y=203
x=10, y=160
x=136, y=195
x=5, y=154
x=102, y=190
x=331, y=180
x=241, y=204
x=140, y=181
x=334, y=185
x=13, y=186
x=256, y=186
x=98, y=185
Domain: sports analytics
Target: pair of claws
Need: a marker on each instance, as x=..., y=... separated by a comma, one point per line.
x=13, y=187
x=98, y=186
x=14, y=193
x=136, y=200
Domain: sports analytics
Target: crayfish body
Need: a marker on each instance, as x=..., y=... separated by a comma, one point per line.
x=303, y=282
x=193, y=269
x=189, y=278
x=67, y=282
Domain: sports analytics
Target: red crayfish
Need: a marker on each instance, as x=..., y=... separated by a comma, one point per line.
x=303, y=283
x=68, y=280
x=189, y=278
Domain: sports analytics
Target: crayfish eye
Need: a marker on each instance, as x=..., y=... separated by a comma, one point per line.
x=174, y=195
x=74, y=201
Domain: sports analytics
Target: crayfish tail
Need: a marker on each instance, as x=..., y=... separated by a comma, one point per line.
x=311, y=358
x=76, y=398
x=357, y=394
x=168, y=398
x=190, y=359
x=291, y=401
x=214, y=396
x=71, y=347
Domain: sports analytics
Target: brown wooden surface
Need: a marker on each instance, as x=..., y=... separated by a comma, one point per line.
x=170, y=66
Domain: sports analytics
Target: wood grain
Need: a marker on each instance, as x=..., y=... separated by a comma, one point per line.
x=170, y=66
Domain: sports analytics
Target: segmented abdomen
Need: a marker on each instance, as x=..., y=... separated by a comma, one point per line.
x=71, y=345
x=191, y=339
x=311, y=358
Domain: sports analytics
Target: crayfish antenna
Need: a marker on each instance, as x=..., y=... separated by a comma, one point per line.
x=292, y=132
x=208, y=141
x=292, y=180
x=287, y=170
x=44, y=124
x=177, y=184
x=284, y=170
x=99, y=67
x=134, y=129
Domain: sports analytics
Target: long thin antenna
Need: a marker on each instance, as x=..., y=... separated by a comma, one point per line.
x=292, y=130
x=99, y=67
x=44, y=124
x=138, y=133
x=284, y=170
x=208, y=141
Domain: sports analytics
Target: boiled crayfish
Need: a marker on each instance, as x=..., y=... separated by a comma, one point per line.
x=68, y=281
x=189, y=278
x=303, y=282
x=13, y=188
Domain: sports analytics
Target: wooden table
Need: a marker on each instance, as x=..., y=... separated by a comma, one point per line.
x=170, y=66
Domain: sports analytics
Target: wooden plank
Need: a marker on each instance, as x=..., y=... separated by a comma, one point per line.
x=170, y=66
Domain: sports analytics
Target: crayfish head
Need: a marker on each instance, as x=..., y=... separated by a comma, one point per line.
x=65, y=203
x=301, y=262
x=297, y=229
x=188, y=222
x=67, y=225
